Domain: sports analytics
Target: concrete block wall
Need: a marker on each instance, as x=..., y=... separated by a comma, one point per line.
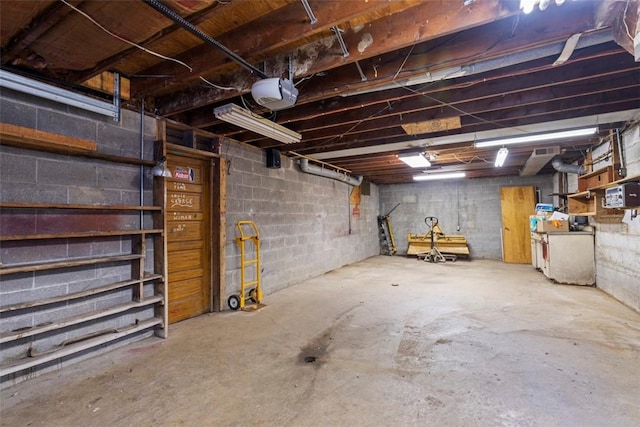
x=307, y=224
x=470, y=207
x=617, y=247
x=36, y=177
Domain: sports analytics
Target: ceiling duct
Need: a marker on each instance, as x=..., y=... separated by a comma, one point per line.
x=538, y=159
x=560, y=166
x=329, y=173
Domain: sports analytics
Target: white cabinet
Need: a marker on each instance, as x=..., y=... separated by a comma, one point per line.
x=536, y=251
x=566, y=257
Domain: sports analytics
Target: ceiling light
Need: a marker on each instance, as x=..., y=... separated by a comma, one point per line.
x=501, y=157
x=433, y=176
x=527, y=5
x=537, y=137
x=238, y=116
x=415, y=160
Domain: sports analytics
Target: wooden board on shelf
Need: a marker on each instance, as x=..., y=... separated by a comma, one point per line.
x=22, y=137
x=597, y=178
x=21, y=205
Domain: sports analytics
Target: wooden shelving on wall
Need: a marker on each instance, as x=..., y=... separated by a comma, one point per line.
x=597, y=178
x=590, y=201
x=146, y=288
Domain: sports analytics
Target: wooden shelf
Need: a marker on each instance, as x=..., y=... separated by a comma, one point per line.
x=140, y=277
x=591, y=186
x=596, y=178
x=86, y=234
x=22, y=137
x=589, y=203
x=81, y=294
x=67, y=348
x=582, y=203
x=618, y=182
x=74, y=320
x=19, y=205
x=24, y=268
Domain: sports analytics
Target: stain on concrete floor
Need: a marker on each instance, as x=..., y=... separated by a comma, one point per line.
x=476, y=343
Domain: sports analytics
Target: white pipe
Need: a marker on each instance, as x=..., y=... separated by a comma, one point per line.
x=329, y=173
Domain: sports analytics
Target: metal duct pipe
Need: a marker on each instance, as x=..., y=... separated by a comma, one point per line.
x=585, y=40
x=329, y=173
x=560, y=166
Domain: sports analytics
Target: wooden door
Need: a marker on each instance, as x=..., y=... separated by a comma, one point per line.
x=188, y=245
x=517, y=203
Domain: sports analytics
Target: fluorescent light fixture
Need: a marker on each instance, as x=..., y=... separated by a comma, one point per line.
x=415, y=160
x=537, y=138
x=433, y=176
x=501, y=157
x=245, y=119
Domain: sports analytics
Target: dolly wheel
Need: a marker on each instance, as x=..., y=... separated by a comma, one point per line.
x=253, y=295
x=234, y=302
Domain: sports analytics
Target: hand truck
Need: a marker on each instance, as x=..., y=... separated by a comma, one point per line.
x=246, y=291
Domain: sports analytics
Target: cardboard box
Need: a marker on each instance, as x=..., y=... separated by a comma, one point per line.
x=551, y=226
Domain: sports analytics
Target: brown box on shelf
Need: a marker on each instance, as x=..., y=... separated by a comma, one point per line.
x=552, y=226
x=596, y=179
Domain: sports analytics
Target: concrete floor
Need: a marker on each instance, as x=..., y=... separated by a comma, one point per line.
x=396, y=342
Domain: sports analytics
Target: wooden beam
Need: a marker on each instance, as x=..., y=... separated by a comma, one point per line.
x=456, y=104
x=46, y=20
x=516, y=117
x=257, y=40
x=112, y=61
x=485, y=42
x=425, y=21
x=626, y=28
x=481, y=43
x=532, y=75
x=18, y=136
x=104, y=82
x=618, y=74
